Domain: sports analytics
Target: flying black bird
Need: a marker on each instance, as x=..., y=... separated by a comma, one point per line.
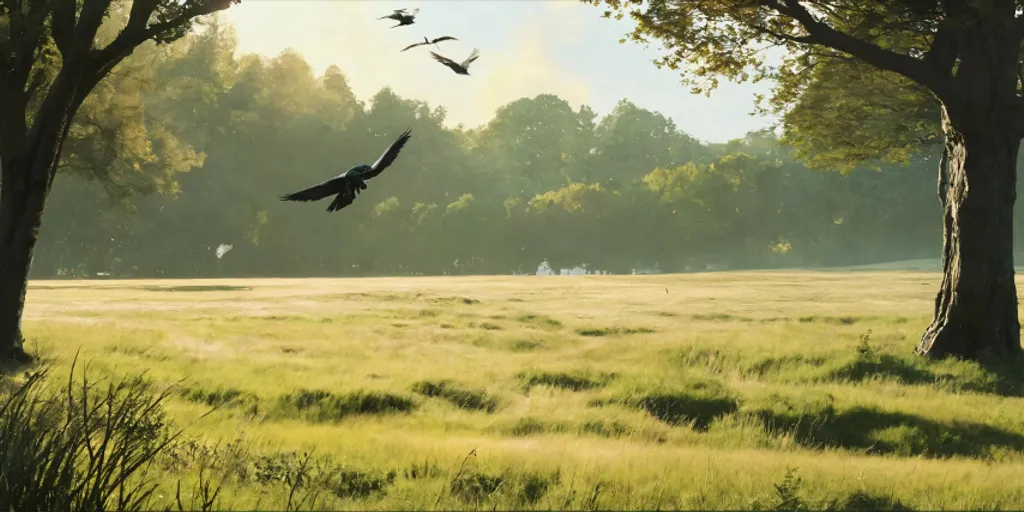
x=348, y=184
x=459, y=68
x=402, y=16
x=430, y=41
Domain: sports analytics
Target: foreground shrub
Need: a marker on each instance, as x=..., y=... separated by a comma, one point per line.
x=84, y=446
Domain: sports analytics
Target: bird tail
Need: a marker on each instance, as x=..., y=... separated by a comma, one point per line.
x=337, y=204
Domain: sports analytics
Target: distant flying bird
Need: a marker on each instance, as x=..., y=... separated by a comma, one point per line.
x=459, y=68
x=427, y=42
x=223, y=249
x=402, y=16
x=348, y=185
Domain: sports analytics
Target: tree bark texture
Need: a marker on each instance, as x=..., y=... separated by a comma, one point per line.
x=976, y=306
x=30, y=156
x=27, y=180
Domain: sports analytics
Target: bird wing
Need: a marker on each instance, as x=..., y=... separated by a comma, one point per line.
x=472, y=56
x=344, y=198
x=394, y=16
x=413, y=46
x=444, y=60
x=413, y=12
x=443, y=38
x=316, y=192
x=388, y=156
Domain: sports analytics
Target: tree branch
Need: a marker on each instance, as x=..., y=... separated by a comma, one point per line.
x=89, y=21
x=138, y=30
x=943, y=51
x=27, y=30
x=821, y=33
x=62, y=24
x=780, y=36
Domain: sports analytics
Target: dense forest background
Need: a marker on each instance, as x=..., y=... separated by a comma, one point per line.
x=188, y=147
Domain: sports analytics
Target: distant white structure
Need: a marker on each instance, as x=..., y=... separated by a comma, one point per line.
x=646, y=270
x=223, y=249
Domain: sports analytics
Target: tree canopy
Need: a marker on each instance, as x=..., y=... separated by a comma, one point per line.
x=857, y=82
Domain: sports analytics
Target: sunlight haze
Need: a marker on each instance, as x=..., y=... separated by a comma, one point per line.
x=526, y=48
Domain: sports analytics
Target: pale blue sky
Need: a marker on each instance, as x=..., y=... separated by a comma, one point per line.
x=527, y=48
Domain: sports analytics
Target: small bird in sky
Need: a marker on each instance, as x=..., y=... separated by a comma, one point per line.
x=402, y=16
x=348, y=184
x=461, y=68
x=430, y=42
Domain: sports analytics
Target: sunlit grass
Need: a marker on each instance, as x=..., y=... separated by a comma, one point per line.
x=602, y=392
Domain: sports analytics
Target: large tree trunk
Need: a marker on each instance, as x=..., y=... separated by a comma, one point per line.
x=20, y=217
x=27, y=179
x=976, y=307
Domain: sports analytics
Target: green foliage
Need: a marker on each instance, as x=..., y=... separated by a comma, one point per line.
x=839, y=110
x=854, y=114
x=539, y=183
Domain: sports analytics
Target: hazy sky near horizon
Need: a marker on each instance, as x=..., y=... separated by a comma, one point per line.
x=527, y=47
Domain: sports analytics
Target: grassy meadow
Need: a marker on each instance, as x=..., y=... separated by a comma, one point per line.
x=571, y=392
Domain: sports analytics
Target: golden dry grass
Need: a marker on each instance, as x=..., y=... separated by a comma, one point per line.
x=680, y=391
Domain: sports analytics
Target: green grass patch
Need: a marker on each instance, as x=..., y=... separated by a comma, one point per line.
x=567, y=380
x=463, y=398
x=323, y=406
x=613, y=331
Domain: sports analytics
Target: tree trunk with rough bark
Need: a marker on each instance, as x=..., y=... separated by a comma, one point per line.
x=976, y=307
x=29, y=156
x=27, y=180
x=20, y=217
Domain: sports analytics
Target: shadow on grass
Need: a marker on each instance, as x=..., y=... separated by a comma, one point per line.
x=151, y=288
x=884, y=366
x=323, y=406
x=883, y=433
x=681, y=409
x=571, y=381
x=194, y=288
x=697, y=403
x=994, y=377
x=861, y=500
x=833, y=320
x=865, y=364
x=612, y=331
x=463, y=398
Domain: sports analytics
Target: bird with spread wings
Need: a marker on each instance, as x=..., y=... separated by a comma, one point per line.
x=461, y=68
x=346, y=186
x=427, y=42
x=402, y=16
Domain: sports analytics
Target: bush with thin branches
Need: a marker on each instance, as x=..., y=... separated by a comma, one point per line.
x=81, y=446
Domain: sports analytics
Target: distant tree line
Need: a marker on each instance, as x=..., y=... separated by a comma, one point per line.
x=185, y=149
